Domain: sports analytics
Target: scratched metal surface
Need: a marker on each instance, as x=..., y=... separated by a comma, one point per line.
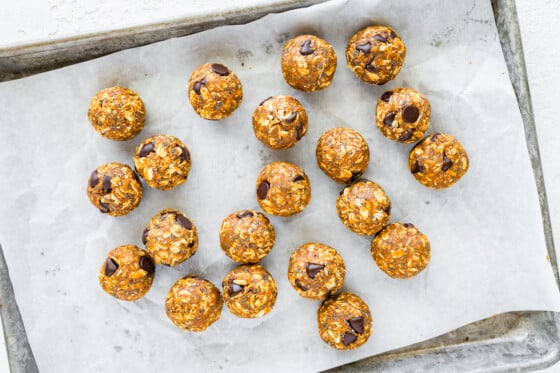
x=515, y=341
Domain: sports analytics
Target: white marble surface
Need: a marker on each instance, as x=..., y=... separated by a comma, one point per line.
x=33, y=20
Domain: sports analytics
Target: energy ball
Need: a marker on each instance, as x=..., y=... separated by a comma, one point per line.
x=403, y=115
x=375, y=54
x=363, y=207
x=308, y=63
x=127, y=273
x=214, y=91
x=283, y=189
x=279, y=122
x=342, y=154
x=249, y=291
x=246, y=236
x=400, y=250
x=316, y=270
x=193, y=303
x=438, y=161
x=114, y=189
x=117, y=113
x=163, y=161
x=344, y=321
x=170, y=237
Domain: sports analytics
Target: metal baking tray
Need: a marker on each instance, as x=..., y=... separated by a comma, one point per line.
x=514, y=341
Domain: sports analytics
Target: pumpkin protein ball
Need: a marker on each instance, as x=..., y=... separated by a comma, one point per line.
x=246, y=236
x=438, y=161
x=375, y=54
x=283, y=189
x=127, y=273
x=401, y=250
x=342, y=154
x=170, y=237
x=279, y=122
x=403, y=115
x=214, y=91
x=117, y=113
x=249, y=291
x=308, y=63
x=163, y=161
x=193, y=303
x=363, y=207
x=114, y=189
x=344, y=321
x=316, y=270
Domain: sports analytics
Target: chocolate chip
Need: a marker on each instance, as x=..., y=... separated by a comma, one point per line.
x=265, y=100
x=370, y=67
x=416, y=167
x=393, y=34
x=313, y=269
x=365, y=48
x=234, y=289
x=389, y=118
x=405, y=136
x=146, y=149
x=298, y=178
x=435, y=136
x=145, y=236
x=110, y=267
x=447, y=163
x=245, y=214
x=147, y=264
x=220, y=69
x=386, y=96
x=300, y=285
x=103, y=207
x=191, y=245
x=408, y=225
x=348, y=338
x=106, y=184
x=299, y=131
x=357, y=324
x=262, y=189
x=380, y=37
x=355, y=175
x=410, y=113
x=388, y=209
x=306, y=48
x=93, y=179
x=198, y=85
x=185, y=155
x=291, y=118
x=183, y=222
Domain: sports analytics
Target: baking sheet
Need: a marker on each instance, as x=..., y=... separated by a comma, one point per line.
x=488, y=248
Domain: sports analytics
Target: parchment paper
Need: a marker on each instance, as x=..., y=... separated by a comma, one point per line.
x=488, y=248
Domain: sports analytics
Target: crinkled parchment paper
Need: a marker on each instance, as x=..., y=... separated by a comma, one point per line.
x=487, y=239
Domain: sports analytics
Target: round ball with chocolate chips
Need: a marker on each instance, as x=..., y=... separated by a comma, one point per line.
x=316, y=270
x=279, y=122
x=342, y=154
x=401, y=250
x=170, y=237
x=308, y=63
x=403, y=115
x=283, y=189
x=214, y=91
x=193, y=303
x=163, y=161
x=363, y=207
x=376, y=54
x=438, y=161
x=114, y=189
x=249, y=291
x=117, y=113
x=246, y=236
x=344, y=321
x=127, y=273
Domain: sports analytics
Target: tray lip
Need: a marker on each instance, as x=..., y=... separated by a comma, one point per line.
x=38, y=47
